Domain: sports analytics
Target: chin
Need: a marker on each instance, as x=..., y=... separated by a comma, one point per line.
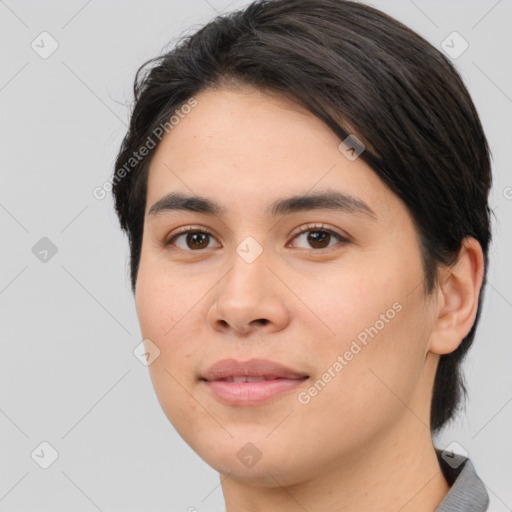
x=264, y=464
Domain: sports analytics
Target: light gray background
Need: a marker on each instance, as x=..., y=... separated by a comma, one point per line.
x=68, y=375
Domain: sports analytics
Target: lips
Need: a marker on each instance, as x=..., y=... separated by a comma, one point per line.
x=254, y=370
x=250, y=383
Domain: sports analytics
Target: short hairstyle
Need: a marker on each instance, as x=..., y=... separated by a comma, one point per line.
x=362, y=73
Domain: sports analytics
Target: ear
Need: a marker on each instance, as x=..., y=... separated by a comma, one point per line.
x=458, y=292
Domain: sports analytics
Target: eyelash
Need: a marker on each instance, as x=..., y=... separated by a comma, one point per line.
x=309, y=227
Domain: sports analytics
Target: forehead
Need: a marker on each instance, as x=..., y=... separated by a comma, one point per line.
x=243, y=144
x=238, y=123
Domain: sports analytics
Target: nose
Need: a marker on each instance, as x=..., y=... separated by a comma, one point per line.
x=249, y=298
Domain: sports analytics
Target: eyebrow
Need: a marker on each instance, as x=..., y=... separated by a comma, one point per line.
x=329, y=200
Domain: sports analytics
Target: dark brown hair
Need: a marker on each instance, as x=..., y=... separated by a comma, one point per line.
x=361, y=72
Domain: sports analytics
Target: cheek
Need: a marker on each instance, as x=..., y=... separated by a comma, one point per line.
x=164, y=312
x=165, y=308
x=362, y=388
x=375, y=329
x=347, y=299
x=164, y=302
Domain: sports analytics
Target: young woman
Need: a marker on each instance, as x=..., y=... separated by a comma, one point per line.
x=304, y=186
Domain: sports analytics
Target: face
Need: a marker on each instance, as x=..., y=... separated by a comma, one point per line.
x=331, y=290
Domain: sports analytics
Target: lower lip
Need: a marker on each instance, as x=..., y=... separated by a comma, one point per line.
x=251, y=393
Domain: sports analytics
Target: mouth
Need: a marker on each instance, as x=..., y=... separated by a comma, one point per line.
x=247, y=379
x=250, y=383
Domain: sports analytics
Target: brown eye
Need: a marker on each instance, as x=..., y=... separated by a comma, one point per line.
x=319, y=238
x=193, y=240
x=197, y=240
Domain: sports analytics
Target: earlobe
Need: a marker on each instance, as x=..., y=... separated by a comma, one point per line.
x=459, y=290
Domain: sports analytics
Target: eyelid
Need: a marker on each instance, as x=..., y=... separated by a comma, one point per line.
x=320, y=227
x=188, y=229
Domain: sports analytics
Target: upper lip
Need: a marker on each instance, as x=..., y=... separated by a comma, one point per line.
x=252, y=368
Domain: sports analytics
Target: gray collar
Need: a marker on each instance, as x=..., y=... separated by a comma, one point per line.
x=467, y=492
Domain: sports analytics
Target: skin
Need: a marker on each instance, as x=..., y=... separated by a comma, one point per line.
x=364, y=441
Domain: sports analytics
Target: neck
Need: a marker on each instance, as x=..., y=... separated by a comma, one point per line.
x=397, y=471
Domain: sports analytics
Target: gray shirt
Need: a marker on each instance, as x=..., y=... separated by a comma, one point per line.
x=467, y=492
